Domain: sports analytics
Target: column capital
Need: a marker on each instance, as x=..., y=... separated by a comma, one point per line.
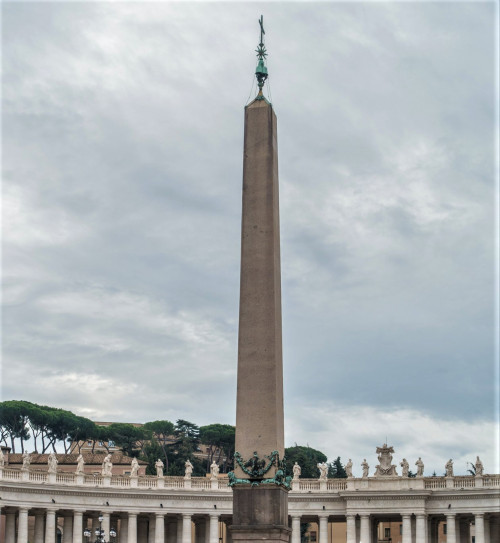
x=476, y=515
x=186, y=515
x=160, y=514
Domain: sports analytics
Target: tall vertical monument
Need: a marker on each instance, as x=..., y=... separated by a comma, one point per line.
x=260, y=486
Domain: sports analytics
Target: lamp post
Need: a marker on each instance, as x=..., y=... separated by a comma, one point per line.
x=99, y=533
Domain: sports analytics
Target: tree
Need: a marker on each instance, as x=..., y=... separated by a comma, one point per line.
x=307, y=458
x=220, y=440
x=131, y=439
x=162, y=432
x=14, y=421
x=336, y=469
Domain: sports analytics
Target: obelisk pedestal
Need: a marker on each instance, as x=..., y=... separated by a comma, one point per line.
x=260, y=488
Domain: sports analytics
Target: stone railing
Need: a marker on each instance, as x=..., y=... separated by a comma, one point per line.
x=148, y=482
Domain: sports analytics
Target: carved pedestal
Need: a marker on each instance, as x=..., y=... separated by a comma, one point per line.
x=260, y=513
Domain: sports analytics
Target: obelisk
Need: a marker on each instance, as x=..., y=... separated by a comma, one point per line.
x=260, y=487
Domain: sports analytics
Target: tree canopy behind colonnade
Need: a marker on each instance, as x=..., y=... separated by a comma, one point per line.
x=45, y=428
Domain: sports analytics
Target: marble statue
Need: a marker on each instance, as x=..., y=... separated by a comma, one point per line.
x=323, y=471
x=2, y=459
x=420, y=467
x=348, y=468
x=159, y=468
x=189, y=469
x=479, y=466
x=52, y=462
x=135, y=467
x=385, y=468
x=26, y=461
x=406, y=467
x=449, y=468
x=214, y=469
x=365, y=467
x=107, y=466
x=80, y=462
x=297, y=470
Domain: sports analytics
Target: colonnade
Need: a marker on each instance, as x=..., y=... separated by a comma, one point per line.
x=164, y=527
x=131, y=527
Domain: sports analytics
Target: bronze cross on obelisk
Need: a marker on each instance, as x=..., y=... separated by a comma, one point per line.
x=262, y=31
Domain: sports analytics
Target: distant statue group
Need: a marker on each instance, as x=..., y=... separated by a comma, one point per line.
x=385, y=467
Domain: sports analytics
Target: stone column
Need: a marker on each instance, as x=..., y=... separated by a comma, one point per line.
x=160, y=528
x=365, y=535
x=39, y=527
x=186, y=528
x=451, y=535
x=67, y=529
x=123, y=533
x=132, y=528
x=351, y=528
x=152, y=529
x=10, y=528
x=50, y=526
x=214, y=529
x=22, y=527
x=479, y=523
x=77, y=526
x=406, y=528
x=421, y=529
x=323, y=529
x=106, y=524
x=142, y=530
x=295, y=529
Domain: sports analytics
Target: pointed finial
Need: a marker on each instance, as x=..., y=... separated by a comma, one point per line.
x=261, y=70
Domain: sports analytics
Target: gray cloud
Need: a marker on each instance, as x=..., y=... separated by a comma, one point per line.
x=122, y=149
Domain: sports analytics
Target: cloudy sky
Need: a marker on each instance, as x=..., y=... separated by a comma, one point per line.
x=122, y=168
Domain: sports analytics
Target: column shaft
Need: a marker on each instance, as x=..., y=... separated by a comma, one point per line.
x=160, y=528
x=451, y=536
x=351, y=528
x=77, y=526
x=421, y=529
x=479, y=523
x=295, y=529
x=132, y=528
x=123, y=533
x=22, y=528
x=365, y=536
x=214, y=529
x=323, y=529
x=50, y=526
x=186, y=528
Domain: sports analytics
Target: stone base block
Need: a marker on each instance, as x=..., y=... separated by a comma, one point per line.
x=260, y=513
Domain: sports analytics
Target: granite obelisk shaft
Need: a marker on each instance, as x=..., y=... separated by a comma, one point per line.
x=259, y=410
x=260, y=512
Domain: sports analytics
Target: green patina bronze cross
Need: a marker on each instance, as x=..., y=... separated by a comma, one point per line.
x=262, y=31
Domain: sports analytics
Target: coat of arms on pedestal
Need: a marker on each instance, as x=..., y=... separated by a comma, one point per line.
x=385, y=468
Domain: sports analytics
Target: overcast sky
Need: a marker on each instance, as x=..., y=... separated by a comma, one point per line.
x=122, y=171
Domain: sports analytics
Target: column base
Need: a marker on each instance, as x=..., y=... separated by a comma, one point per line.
x=260, y=513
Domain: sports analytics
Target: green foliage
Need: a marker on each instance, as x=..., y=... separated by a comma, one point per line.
x=220, y=439
x=336, y=469
x=307, y=458
x=411, y=474
x=131, y=439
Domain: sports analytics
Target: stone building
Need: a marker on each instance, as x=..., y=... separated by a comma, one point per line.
x=40, y=507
